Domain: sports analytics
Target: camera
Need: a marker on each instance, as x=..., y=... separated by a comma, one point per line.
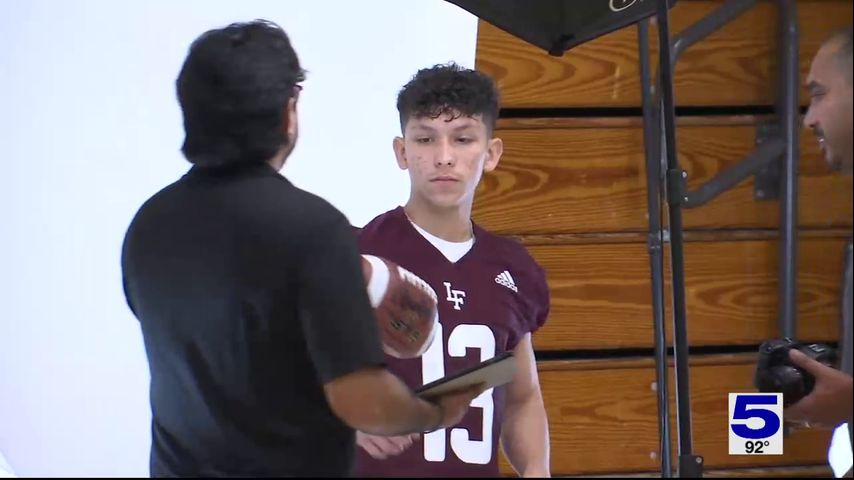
x=776, y=373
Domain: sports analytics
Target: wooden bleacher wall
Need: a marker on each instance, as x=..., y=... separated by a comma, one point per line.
x=573, y=189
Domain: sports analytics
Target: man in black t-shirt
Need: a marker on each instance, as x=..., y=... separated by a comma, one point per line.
x=263, y=350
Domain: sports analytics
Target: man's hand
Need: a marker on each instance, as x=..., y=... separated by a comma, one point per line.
x=383, y=447
x=830, y=402
x=451, y=408
x=454, y=405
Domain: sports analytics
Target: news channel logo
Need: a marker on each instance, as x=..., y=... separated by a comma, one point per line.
x=755, y=423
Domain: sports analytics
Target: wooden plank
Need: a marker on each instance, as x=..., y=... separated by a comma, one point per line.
x=601, y=294
x=525, y=123
x=605, y=419
x=581, y=180
x=770, y=472
x=689, y=236
x=734, y=66
x=815, y=471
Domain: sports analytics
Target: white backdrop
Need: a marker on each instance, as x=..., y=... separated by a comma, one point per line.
x=90, y=128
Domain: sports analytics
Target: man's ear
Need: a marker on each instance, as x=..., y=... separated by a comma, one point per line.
x=400, y=152
x=493, y=154
x=291, y=113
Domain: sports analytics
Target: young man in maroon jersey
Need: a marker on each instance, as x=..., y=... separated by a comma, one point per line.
x=492, y=294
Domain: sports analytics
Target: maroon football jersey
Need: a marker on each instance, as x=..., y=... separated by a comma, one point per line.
x=488, y=300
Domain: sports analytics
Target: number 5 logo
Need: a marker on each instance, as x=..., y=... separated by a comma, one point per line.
x=742, y=411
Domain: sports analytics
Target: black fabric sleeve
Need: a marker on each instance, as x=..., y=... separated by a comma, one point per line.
x=341, y=332
x=126, y=268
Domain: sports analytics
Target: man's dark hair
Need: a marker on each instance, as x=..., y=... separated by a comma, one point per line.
x=843, y=56
x=449, y=90
x=233, y=89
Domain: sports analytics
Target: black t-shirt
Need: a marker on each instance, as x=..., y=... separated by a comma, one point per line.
x=250, y=295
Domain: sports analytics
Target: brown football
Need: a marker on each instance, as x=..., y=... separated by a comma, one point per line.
x=405, y=307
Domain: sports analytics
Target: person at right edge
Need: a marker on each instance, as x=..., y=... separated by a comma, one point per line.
x=829, y=116
x=264, y=352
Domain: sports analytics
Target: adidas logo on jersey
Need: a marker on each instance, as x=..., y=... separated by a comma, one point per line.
x=504, y=278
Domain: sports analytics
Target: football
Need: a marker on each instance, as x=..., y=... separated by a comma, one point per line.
x=405, y=307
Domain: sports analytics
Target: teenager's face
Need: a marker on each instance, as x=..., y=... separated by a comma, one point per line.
x=446, y=157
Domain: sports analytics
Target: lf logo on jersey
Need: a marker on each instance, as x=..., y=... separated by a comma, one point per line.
x=755, y=423
x=455, y=296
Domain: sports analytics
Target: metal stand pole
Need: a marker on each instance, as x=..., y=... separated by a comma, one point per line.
x=689, y=464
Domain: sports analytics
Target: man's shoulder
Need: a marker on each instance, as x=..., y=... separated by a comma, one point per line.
x=161, y=201
x=296, y=210
x=381, y=227
x=382, y=220
x=518, y=268
x=313, y=205
x=272, y=202
x=508, y=249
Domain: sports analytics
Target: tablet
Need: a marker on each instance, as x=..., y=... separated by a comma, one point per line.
x=494, y=372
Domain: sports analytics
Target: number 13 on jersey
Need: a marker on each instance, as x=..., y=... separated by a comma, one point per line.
x=755, y=423
x=462, y=338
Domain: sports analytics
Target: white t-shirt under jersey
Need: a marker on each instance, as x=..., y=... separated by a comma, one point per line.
x=453, y=251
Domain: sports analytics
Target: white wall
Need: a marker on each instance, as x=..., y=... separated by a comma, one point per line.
x=90, y=128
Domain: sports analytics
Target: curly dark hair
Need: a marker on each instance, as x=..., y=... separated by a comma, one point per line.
x=449, y=89
x=233, y=89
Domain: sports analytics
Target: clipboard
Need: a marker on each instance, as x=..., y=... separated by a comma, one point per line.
x=495, y=372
